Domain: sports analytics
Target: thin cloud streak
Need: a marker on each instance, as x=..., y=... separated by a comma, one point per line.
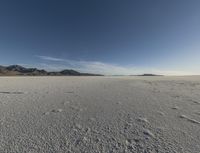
x=48, y=58
x=101, y=68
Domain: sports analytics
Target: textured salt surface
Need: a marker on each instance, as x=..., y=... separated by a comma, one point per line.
x=99, y=114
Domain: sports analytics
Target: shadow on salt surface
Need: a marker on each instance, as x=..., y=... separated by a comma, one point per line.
x=69, y=92
x=7, y=92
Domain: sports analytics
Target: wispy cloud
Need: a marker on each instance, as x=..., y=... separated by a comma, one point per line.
x=84, y=66
x=101, y=68
x=48, y=58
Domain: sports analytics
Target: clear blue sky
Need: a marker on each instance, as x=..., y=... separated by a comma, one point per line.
x=105, y=36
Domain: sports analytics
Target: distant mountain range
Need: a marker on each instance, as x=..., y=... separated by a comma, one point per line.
x=150, y=75
x=17, y=70
x=147, y=75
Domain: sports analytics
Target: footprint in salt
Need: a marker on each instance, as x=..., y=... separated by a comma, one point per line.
x=140, y=119
x=161, y=113
x=46, y=113
x=56, y=110
x=119, y=102
x=53, y=111
x=175, y=107
x=189, y=119
x=148, y=133
x=195, y=102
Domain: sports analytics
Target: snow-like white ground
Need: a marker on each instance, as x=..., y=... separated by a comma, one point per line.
x=99, y=114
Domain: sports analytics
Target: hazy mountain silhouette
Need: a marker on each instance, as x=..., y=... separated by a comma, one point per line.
x=13, y=70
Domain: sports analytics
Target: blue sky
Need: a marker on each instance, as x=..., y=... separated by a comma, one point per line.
x=109, y=37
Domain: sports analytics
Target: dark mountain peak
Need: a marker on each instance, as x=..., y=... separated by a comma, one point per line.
x=146, y=74
x=15, y=68
x=70, y=72
x=21, y=69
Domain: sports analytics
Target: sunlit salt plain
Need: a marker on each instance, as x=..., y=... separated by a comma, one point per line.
x=99, y=114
